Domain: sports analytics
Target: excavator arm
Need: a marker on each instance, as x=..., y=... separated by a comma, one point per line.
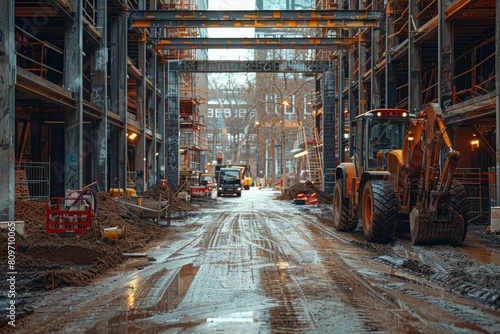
x=431, y=218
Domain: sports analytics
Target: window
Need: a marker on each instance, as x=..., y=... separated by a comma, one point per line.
x=210, y=112
x=218, y=113
x=243, y=112
x=227, y=113
x=289, y=110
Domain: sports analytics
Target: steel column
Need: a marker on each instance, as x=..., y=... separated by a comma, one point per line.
x=161, y=120
x=73, y=81
x=100, y=99
x=497, y=80
x=414, y=61
x=328, y=131
x=390, y=79
x=445, y=55
x=7, y=110
x=173, y=132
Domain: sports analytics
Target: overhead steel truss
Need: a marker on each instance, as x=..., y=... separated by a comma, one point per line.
x=226, y=66
x=256, y=19
x=253, y=43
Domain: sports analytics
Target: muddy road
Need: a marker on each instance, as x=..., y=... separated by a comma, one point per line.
x=254, y=264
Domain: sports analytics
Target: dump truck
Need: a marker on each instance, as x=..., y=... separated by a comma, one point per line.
x=398, y=179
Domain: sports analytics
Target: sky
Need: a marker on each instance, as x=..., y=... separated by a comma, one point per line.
x=230, y=54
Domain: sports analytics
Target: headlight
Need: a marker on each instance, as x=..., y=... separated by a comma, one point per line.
x=220, y=188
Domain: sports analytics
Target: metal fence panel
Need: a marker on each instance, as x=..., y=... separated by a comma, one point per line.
x=32, y=180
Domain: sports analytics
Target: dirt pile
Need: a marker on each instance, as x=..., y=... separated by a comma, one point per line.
x=306, y=188
x=159, y=192
x=48, y=261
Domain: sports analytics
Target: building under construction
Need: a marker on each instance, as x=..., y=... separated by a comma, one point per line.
x=109, y=91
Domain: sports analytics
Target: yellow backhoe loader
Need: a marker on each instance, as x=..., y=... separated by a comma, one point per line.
x=401, y=177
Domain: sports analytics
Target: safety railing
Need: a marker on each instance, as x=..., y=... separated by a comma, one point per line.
x=32, y=180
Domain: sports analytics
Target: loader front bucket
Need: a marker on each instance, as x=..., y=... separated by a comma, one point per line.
x=424, y=229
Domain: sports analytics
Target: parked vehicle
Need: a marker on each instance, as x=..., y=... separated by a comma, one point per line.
x=401, y=184
x=229, y=181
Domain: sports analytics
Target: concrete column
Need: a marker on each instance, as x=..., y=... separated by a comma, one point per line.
x=7, y=110
x=100, y=99
x=445, y=56
x=73, y=81
x=173, y=132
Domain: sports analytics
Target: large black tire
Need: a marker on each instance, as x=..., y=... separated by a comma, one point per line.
x=341, y=210
x=379, y=206
x=460, y=203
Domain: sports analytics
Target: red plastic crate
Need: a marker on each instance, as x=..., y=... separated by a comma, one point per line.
x=68, y=215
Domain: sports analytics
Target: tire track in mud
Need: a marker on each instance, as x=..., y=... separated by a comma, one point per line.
x=348, y=289
x=377, y=308
x=432, y=309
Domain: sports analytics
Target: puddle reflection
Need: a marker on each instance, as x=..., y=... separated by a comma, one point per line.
x=123, y=322
x=481, y=254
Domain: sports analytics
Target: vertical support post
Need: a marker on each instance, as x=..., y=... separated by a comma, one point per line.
x=151, y=110
x=118, y=68
x=341, y=105
x=173, y=132
x=414, y=61
x=390, y=79
x=445, y=55
x=497, y=79
x=100, y=98
x=7, y=110
x=374, y=79
x=161, y=120
x=361, y=70
x=140, y=146
x=73, y=81
x=328, y=126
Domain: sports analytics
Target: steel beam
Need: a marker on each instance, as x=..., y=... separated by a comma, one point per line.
x=253, y=15
x=253, y=43
x=318, y=23
x=235, y=66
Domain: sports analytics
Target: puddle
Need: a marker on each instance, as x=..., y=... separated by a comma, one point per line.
x=481, y=254
x=173, y=295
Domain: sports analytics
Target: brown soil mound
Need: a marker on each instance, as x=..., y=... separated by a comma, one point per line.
x=48, y=261
x=306, y=188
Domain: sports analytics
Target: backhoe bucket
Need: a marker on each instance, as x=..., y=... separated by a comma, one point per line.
x=424, y=229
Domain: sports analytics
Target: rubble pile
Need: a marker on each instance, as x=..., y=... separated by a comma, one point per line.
x=160, y=192
x=306, y=188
